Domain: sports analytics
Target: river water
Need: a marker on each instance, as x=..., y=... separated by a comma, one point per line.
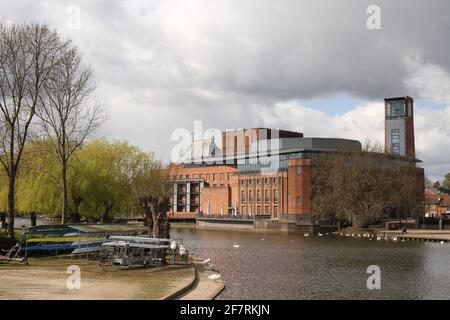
x=281, y=266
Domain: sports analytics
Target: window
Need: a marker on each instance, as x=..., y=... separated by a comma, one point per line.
x=395, y=109
x=201, y=176
x=242, y=182
x=258, y=210
x=266, y=196
x=266, y=210
x=274, y=180
x=250, y=182
x=258, y=196
x=275, y=196
x=207, y=177
x=214, y=177
x=188, y=176
x=250, y=196
x=258, y=181
x=275, y=211
x=243, y=210
x=395, y=141
x=243, y=196
x=221, y=177
x=299, y=170
x=266, y=180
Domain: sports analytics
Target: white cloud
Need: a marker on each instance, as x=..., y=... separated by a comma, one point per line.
x=366, y=123
x=160, y=65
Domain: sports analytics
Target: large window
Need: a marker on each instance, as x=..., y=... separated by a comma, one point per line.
x=266, y=196
x=243, y=196
x=275, y=196
x=250, y=196
x=258, y=196
x=395, y=108
x=395, y=141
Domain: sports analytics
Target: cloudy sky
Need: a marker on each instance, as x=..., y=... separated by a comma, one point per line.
x=311, y=66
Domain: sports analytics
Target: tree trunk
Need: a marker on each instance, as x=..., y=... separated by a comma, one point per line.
x=74, y=213
x=3, y=218
x=11, y=204
x=33, y=219
x=106, y=214
x=64, y=202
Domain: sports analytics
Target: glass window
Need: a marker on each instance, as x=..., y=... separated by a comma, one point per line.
x=299, y=170
x=243, y=210
x=395, y=108
x=258, y=196
x=395, y=141
x=266, y=196
x=275, y=196
x=243, y=196
x=258, y=210
x=250, y=196
x=266, y=210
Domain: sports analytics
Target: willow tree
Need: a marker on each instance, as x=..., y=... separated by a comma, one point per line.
x=69, y=115
x=28, y=56
x=152, y=188
x=108, y=185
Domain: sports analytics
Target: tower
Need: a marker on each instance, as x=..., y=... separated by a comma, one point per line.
x=399, y=127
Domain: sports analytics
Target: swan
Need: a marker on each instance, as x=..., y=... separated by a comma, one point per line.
x=214, y=276
x=320, y=234
x=394, y=238
x=206, y=261
x=235, y=245
x=442, y=242
x=306, y=234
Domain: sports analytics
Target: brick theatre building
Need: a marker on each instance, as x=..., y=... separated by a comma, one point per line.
x=265, y=174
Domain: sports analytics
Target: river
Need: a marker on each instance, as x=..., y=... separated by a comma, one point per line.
x=281, y=266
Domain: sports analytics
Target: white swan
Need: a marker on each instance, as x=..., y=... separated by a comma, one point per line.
x=215, y=276
x=306, y=234
x=206, y=261
x=235, y=245
x=442, y=242
x=320, y=234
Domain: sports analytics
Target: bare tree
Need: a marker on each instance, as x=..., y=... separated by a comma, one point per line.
x=361, y=186
x=28, y=54
x=152, y=188
x=68, y=113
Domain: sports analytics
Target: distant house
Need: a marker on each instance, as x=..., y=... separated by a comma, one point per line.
x=436, y=202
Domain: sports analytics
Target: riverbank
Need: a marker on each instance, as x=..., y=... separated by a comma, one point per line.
x=203, y=288
x=46, y=278
x=411, y=234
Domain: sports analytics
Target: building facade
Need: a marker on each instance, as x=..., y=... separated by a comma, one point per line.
x=262, y=173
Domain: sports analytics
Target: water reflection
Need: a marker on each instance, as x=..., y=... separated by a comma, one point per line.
x=280, y=266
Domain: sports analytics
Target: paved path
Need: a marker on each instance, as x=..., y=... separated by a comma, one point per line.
x=204, y=288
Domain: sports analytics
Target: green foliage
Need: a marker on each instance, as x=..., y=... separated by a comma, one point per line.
x=447, y=181
x=100, y=179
